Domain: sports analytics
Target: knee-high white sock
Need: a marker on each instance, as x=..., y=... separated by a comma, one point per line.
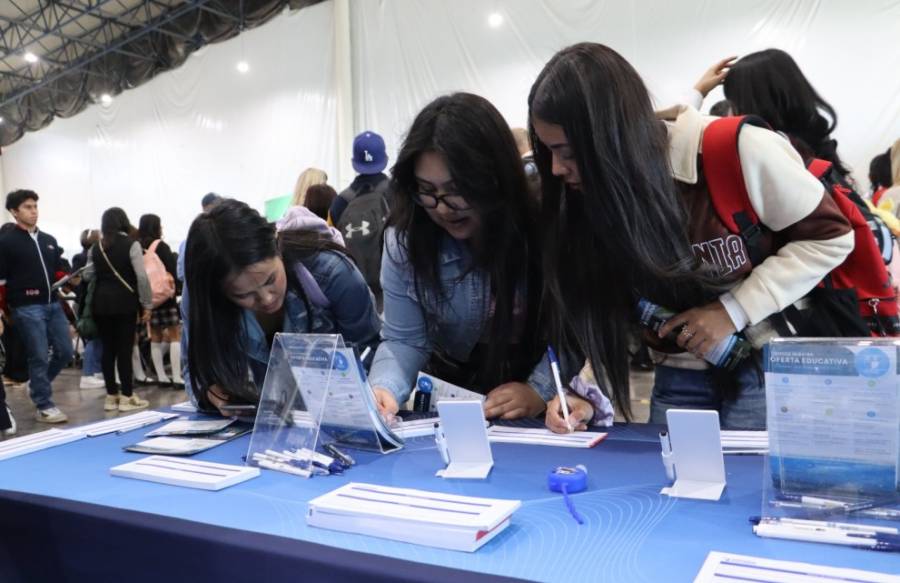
x=136, y=364
x=175, y=357
x=157, y=355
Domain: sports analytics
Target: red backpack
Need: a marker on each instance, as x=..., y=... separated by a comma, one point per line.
x=862, y=277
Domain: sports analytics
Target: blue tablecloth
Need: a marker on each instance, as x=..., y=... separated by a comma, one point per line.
x=632, y=533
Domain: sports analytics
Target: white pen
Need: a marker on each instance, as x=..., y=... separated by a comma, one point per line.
x=842, y=526
x=554, y=366
x=668, y=462
x=799, y=533
x=365, y=353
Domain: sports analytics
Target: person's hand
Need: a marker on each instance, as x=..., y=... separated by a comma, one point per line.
x=218, y=398
x=387, y=404
x=580, y=412
x=1, y=325
x=145, y=316
x=513, y=400
x=714, y=76
x=701, y=329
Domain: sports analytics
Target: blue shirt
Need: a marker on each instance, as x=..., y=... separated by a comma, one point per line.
x=340, y=303
x=455, y=324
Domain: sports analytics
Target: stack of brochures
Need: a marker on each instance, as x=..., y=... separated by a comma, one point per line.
x=190, y=436
x=460, y=523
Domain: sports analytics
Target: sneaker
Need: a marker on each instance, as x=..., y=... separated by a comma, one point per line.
x=51, y=415
x=11, y=430
x=91, y=382
x=111, y=403
x=132, y=403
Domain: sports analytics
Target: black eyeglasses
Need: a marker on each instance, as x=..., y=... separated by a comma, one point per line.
x=430, y=200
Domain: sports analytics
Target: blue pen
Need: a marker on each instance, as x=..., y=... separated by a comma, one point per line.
x=554, y=366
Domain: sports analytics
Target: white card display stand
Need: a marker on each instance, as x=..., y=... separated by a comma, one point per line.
x=697, y=453
x=466, y=440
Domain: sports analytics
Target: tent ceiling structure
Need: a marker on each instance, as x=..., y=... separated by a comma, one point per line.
x=59, y=56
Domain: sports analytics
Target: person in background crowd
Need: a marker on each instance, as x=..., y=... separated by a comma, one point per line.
x=361, y=211
x=165, y=320
x=91, y=366
x=121, y=298
x=7, y=421
x=319, y=199
x=308, y=178
x=30, y=260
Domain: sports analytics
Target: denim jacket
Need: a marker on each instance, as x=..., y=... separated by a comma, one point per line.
x=412, y=330
x=340, y=302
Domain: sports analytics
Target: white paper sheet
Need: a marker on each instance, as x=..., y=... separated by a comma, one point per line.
x=124, y=423
x=183, y=472
x=727, y=568
x=17, y=446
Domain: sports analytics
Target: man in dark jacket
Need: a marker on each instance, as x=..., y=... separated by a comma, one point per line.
x=30, y=261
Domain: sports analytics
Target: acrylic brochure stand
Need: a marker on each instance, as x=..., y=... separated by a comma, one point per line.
x=697, y=454
x=833, y=415
x=465, y=436
x=316, y=393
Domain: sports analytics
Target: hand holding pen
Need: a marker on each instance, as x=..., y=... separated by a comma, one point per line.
x=580, y=413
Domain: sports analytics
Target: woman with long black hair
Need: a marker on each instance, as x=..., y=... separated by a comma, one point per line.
x=627, y=214
x=246, y=283
x=461, y=266
x=770, y=84
x=122, y=297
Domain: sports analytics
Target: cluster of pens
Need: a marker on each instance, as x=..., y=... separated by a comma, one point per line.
x=876, y=538
x=304, y=462
x=816, y=504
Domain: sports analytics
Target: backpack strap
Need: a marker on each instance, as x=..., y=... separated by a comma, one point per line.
x=819, y=167
x=310, y=286
x=722, y=169
x=153, y=246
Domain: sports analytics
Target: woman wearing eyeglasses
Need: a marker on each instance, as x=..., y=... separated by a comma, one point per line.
x=461, y=265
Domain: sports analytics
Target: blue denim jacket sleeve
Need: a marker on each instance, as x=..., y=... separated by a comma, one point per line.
x=405, y=346
x=351, y=302
x=541, y=378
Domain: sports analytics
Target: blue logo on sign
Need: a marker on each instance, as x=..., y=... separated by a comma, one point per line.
x=872, y=363
x=425, y=384
x=340, y=362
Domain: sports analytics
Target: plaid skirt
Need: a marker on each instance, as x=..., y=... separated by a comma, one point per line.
x=164, y=317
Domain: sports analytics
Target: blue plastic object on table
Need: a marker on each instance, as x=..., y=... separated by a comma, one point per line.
x=631, y=532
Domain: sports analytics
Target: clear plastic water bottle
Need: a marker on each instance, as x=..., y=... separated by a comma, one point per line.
x=728, y=354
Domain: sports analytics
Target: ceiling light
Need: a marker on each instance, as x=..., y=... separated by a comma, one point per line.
x=1, y=120
x=31, y=57
x=106, y=99
x=495, y=20
x=243, y=66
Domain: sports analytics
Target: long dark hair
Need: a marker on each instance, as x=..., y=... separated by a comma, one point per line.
x=113, y=222
x=481, y=156
x=771, y=85
x=221, y=242
x=880, y=171
x=624, y=234
x=149, y=229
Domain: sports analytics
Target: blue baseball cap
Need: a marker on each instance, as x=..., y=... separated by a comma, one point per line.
x=369, y=156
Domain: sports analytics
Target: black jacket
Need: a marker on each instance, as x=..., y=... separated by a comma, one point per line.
x=29, y=267
x=111, y=297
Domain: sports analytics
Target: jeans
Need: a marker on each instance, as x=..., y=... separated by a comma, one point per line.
x=93, y=353
x=678, y=388
x=44, y=328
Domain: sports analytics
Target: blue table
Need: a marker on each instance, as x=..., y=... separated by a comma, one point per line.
x=632, y=533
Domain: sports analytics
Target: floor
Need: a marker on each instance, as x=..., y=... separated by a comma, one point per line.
x=86, y=405
x=81, y=405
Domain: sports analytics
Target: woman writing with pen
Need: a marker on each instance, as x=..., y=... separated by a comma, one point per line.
x=461, y=266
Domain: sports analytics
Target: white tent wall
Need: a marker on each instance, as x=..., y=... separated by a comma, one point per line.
x=407, y=52
x=204, y=127
x=199, y=128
